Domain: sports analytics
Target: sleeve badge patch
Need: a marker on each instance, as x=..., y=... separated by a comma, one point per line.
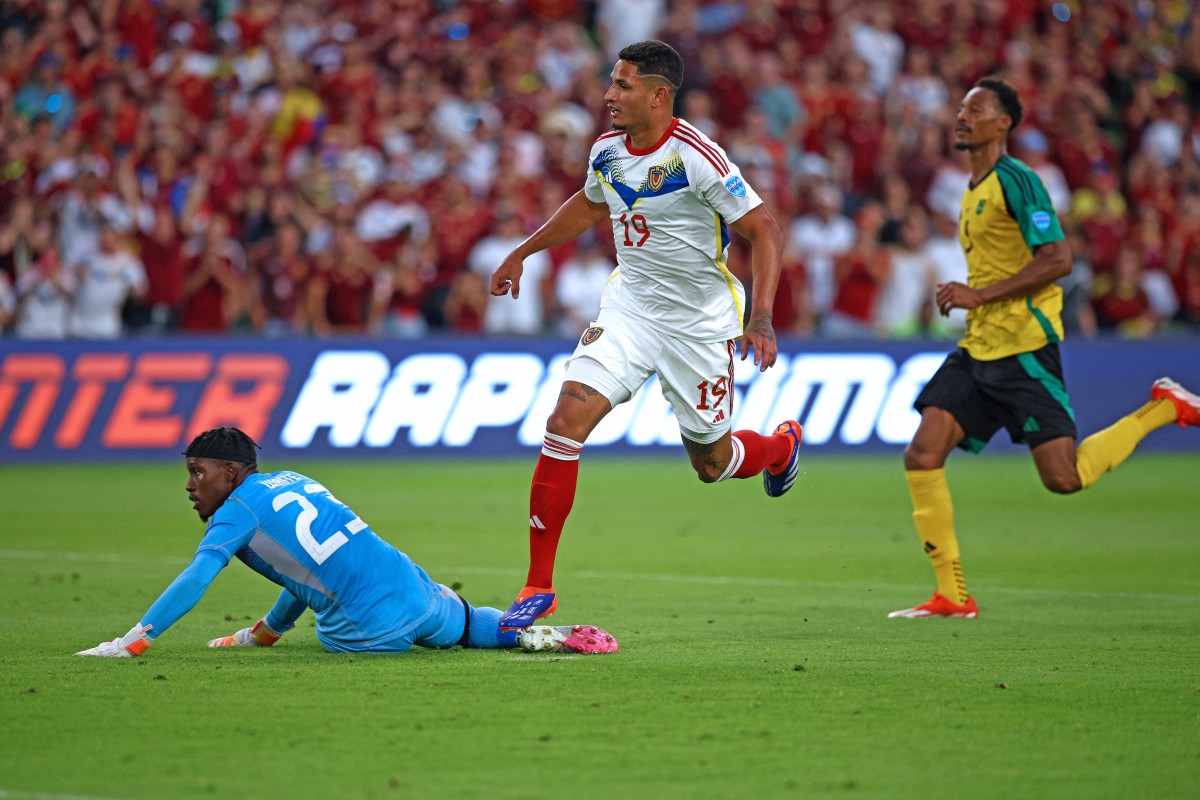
x=591, y=335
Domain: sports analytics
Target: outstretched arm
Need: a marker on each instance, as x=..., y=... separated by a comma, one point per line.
x=766, y=244
x=179, y=598
x=572, y=218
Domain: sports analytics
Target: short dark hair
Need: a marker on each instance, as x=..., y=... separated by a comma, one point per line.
x=655, y=58
x=224, y=444
x=1009, y=97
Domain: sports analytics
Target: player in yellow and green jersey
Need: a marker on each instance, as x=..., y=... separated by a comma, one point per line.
x=1007, y=372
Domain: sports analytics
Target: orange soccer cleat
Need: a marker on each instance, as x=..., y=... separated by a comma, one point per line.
x=1187, y=405
x=939, y=606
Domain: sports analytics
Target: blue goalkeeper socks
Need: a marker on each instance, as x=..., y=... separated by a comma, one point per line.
x=485, y=629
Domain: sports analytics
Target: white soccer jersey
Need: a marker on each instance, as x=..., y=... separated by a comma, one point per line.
x=670, y=206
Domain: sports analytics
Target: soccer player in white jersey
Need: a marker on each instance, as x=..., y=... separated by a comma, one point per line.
x=672, y=308
x=367, y=595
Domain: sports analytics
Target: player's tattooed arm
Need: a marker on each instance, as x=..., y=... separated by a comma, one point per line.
x=581, y=394
x=760, y=324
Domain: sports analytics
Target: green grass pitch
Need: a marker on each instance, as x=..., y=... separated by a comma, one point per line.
x=756, y=660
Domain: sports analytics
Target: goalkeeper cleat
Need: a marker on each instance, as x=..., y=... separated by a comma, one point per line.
x=776, y=484
x=111, y=649
x=1187, y=405
x=585, y=639
x=131, y=645
x=532, y=603
x=939, y=606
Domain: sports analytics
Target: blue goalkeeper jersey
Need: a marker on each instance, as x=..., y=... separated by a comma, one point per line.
x=291, y=530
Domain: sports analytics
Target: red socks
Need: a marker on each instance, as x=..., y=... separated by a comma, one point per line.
x=550, y=499
x=753, y=452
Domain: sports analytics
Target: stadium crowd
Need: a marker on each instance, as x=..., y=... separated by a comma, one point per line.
x=359, y=167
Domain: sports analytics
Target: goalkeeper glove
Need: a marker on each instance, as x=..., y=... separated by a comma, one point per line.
x=131, y=644
x=261, y=635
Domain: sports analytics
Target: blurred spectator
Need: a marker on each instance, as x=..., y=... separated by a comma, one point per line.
x=564, y=56
x=22, y=237
x=283, y=274
x=45, y=96
x=1077, y=315
x=106, y=279
x=1120, y=302
x=404, y=315
x=161, y=252
x=8, y=302
x=858, y=275
x=505, y=317
x=1183, y=258
x=459, y=221
x=578, y=285
x=700, y=110
x=775, y=97
x=919, y=159
x=868, y=145
x=623, y=22
x=44, y=295
x=393, y=219
x=1165, y=138
x=1102, y=212
x=301, y=112
x=84, y=210
x=950, y=179
x=874, y=41
x=1032, y=148
x=215, y=295
x=897, y=205
x=816, y=239
x=944, y=249
x=1148, y=238
x=904, y=310
x=466, y=303
x=348, y=291
x=918, y=88
x=764, y=160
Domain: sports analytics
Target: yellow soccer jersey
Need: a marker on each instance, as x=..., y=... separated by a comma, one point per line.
x=1003, y=218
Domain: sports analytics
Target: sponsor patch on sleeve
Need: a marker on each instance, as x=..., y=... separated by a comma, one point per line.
x=1041, y=220
x=735, y=186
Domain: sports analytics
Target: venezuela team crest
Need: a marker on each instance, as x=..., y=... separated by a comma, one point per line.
x=655, y=179
x=591, y=335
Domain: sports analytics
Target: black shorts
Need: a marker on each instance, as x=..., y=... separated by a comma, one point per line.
x=1023, y=394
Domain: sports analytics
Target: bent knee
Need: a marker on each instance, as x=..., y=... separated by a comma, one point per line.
x=708, y=473
x=561, y=424
x=922, y=458
x=1062, y=483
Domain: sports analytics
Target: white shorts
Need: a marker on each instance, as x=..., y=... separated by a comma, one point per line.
x=619, y=353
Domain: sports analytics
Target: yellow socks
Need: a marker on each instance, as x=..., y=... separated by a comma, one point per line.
x=1104, y=450
x=933, y=515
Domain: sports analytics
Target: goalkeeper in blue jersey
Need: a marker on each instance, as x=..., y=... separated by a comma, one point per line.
x=367, y=595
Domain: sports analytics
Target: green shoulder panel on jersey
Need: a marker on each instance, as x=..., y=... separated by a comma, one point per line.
x=1028, y=203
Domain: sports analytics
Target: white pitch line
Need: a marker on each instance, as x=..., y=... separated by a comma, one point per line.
x=13, y=794
x=1190, y=594
x=94, y=558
